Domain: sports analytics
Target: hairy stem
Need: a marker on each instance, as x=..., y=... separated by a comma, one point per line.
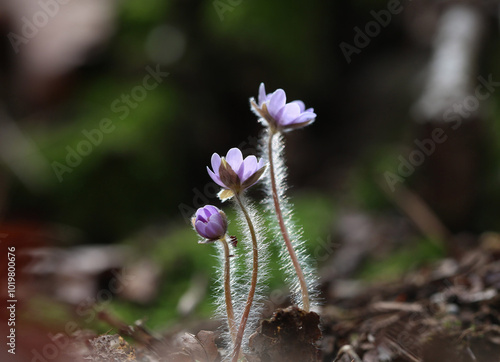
x=253, y=284
x=284, y=231
x=227, y=290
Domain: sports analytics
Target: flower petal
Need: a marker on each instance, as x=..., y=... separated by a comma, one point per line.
x=250, y=166
x=214, y=230
x=304, y=117
x=211, y=210
x=290, y=112
x=279, y=115
x=301, y=104
x=234, y=158
x=277, y=101
x=240, y=171
x=205, y=214
x=201, y=228
x=262, y=94
x=215, y=163
x=261, y=164
x=254, y=177
x=216, y=178
x=200, y=215
x=216, y=218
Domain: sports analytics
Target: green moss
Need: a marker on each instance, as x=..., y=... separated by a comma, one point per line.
x=392, y=267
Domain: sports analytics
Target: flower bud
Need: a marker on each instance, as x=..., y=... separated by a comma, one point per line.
x=210, y=222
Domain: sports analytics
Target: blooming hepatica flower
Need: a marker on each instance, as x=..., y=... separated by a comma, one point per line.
x=235, y=174
x=279, y=115
x=210, y=222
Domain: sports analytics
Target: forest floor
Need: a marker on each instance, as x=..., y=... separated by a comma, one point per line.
x=447, y=312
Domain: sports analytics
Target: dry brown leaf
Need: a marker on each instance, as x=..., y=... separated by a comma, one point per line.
x=200, y=347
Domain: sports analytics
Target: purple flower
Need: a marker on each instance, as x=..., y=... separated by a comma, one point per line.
x=279, y=115
x=210, y=222
x=235, y=173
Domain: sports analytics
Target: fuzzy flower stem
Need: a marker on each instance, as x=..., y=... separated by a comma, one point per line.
x=227, y=289
x=253, y=284
x=284, y=231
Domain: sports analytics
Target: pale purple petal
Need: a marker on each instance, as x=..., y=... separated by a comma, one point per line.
x=216, y=178
x=290, y=112
x=304, y=117
x=301, y=104
x=234, y=158
x=200, y=227
x=211, y=210
x=217, y=218
x=277, y=101
x=216, y=163
x=309, y=110
x=200, y=215
x=262, y=94
x=279, y=115
x=250, y=166
x=261, y=164
x=206, y=214
x=240, y=171
x=214, y=230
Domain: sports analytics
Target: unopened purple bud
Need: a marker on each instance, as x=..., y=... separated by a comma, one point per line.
x=210, y=222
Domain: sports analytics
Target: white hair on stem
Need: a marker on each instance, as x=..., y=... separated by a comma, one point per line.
x=295, y=233
x=242, y=268
x=220, y=302
x=223, y=291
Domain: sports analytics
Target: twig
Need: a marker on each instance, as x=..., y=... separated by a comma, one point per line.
x=348, y=350
x=417, y=211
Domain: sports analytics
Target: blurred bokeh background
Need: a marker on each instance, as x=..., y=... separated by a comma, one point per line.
x=110, y=111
